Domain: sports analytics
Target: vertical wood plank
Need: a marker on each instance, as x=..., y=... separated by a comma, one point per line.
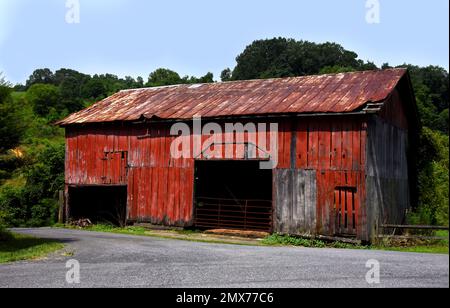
x=302, y=144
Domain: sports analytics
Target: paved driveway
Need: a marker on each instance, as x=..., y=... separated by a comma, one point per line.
x=110, y=260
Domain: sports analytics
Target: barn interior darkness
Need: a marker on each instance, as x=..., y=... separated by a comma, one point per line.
x=100, y=204
x=233, y=195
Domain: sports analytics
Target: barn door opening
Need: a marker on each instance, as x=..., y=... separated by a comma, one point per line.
x=233, y=195
x=346, y=212
x=99, y=204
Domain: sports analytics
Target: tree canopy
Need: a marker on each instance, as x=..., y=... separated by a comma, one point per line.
x=10, y=126
x=166, y=77
x=44, y=98
x=281, y=57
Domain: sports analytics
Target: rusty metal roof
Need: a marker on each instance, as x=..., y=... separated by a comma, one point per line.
x=333, y=93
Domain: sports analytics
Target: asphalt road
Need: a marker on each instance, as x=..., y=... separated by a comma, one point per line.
x=110, y=260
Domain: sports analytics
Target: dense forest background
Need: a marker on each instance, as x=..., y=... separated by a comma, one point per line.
x=32, y=149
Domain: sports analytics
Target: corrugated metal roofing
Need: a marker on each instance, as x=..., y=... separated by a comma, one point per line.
x=334, y=93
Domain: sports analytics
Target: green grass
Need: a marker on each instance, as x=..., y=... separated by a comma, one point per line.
x=432, y=246
x=126, y=230
x=113, y=229
x=285, y=240
x=442, y=234
x=437, y=249
x=440, y=247
x=21, y=247
x=184, y=235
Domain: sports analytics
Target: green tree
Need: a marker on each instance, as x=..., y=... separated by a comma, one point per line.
x=336, y=69
x=94, y=89
x=163, y=77
x=44, y=98
x=11, y=127
x=208, y=78
x=3, y=81
x=226, y=75
x=431, y=86
x=433, y=176
x=281, y=57
x=166, y=77
x=62, y=74
x=129, y=82
x=111, y=83
x=70, y=93
x=139, y=82
x=41, y=76
x=33, y=202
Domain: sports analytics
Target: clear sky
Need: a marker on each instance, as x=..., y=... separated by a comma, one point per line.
x=134, y=37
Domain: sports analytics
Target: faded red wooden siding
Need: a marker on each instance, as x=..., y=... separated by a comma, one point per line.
x=161, y=189
x=86, y=150
x=335, y=148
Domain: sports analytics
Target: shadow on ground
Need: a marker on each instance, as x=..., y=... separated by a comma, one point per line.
x=12, y=244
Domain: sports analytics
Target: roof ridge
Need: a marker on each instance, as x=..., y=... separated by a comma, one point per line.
x=263, y=79
x=326, y=93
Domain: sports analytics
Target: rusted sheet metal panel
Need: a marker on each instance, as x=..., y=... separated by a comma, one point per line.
x=337, y=93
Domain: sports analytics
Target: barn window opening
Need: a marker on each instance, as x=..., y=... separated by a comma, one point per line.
x=233, y=195
x=99, y=204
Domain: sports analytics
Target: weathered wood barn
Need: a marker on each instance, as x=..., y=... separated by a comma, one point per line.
x=345, y=147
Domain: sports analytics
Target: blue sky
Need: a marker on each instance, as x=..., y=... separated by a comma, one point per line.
x=135, y=37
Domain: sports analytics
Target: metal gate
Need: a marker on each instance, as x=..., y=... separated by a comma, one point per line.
x=248, y=215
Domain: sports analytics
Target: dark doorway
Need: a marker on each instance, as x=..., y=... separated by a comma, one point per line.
x=100, y=204
x=233, y=195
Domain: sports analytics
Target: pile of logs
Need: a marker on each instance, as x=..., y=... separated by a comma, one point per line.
x=81, y=223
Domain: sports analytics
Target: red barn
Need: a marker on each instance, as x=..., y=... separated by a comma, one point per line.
x=342, y=148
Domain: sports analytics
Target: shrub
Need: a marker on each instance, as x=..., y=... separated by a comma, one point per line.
x=32, y=200
x=2, y=221
x=433, y=179
x=12, y=205
x=44, y=213
x=43, y=97
x=4, y=235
